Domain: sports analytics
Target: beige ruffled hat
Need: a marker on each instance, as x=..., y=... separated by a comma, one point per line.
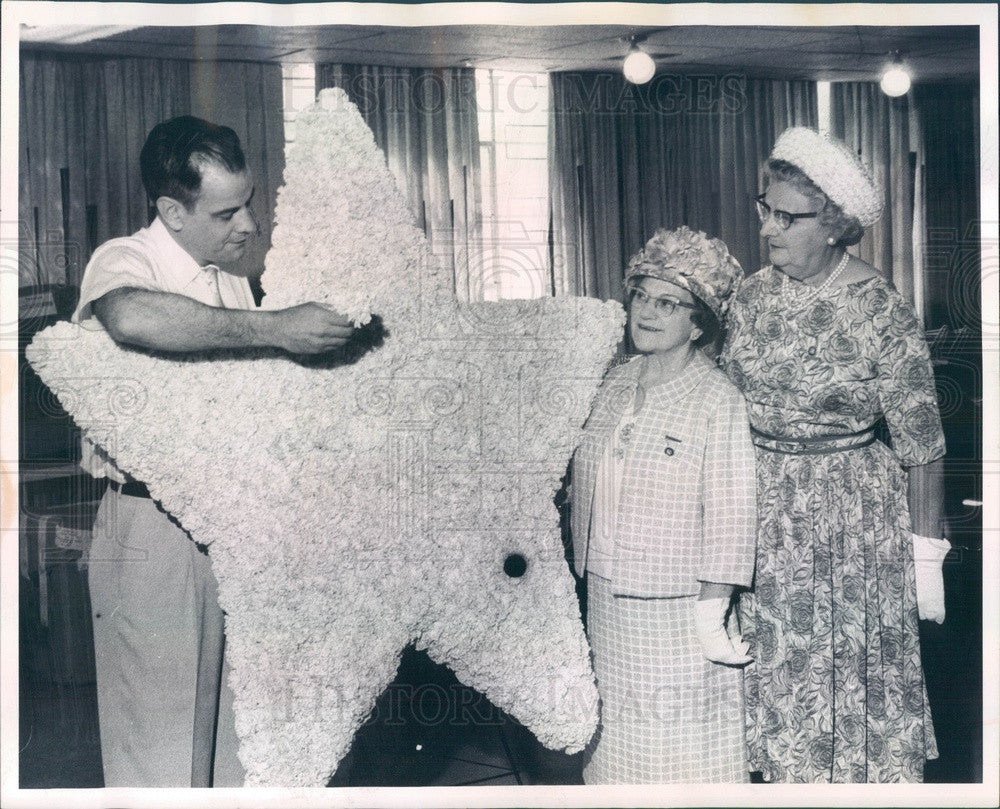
x=834, y=169
x=693, y=261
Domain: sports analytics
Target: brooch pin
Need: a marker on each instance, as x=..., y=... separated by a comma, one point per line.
x=624, y=439
x=670, y=450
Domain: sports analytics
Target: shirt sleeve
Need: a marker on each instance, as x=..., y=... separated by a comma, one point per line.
x=729, y=483
x=906, y=386
x=113, y=266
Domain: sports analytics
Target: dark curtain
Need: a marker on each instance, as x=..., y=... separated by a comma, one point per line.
x=426, y=122
x=248, y=97
x=885, y=134
x=82, y=124
x=625, y=160
x=949, y=117
x=923, y=148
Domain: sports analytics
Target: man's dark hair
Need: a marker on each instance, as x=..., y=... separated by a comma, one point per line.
x=176, y=151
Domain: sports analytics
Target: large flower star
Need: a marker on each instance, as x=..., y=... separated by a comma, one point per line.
x=355, y=509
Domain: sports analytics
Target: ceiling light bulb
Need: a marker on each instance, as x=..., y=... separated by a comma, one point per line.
x=895, y=81
x=639, y=67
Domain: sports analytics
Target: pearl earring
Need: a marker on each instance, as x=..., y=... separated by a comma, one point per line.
x=831, y=241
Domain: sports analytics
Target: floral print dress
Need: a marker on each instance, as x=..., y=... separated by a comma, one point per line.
x=836, y=692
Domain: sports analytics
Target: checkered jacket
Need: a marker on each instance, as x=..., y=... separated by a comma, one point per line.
x=687, y=512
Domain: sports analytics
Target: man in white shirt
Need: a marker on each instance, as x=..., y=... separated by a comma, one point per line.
x=164, y=705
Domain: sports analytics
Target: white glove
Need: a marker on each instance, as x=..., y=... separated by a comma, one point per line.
x=928, y=554
x=710, y=624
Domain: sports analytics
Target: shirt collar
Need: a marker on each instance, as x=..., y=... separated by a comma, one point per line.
x=689, y=379
x=181, y=263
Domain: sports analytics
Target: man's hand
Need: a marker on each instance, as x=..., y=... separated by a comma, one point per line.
x=310, y=328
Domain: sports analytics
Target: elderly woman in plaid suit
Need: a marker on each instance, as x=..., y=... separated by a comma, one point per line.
x=664, y=524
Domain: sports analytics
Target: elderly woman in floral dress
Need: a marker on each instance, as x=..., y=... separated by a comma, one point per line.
x=664, y=526
x=822, y=347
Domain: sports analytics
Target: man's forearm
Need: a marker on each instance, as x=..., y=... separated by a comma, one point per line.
x=168, y=322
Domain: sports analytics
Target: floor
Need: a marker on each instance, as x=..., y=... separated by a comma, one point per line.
x=429, y=730
x=406, y=743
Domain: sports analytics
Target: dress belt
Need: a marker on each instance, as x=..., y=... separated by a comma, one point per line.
x=813, y=445
x=133, y=488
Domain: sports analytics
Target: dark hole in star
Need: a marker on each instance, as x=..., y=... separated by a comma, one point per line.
x=515, y=565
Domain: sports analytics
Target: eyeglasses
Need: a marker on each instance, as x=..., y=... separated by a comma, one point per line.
x=663, y=305
x=783, y=219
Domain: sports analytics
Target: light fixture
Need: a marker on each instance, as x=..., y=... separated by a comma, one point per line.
x=638, y=66
x=896, y=78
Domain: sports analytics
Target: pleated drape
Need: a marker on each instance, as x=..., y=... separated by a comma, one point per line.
x=247, y=96
x=949, y=116
x=885, y=134
x=82, y=125
x=625, y=160
x=426, y=122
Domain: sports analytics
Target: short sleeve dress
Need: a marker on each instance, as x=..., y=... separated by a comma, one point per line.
x=836, y=692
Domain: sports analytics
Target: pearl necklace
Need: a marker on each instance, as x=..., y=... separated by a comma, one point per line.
x=795, y=301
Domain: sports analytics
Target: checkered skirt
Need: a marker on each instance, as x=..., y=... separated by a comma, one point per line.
x=668, y=715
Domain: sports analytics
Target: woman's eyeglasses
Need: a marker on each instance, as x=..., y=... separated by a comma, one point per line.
x=783, y=219
x=663, y=305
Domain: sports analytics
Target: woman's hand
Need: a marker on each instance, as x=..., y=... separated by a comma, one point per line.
x=710, y=623
x=928, y=557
